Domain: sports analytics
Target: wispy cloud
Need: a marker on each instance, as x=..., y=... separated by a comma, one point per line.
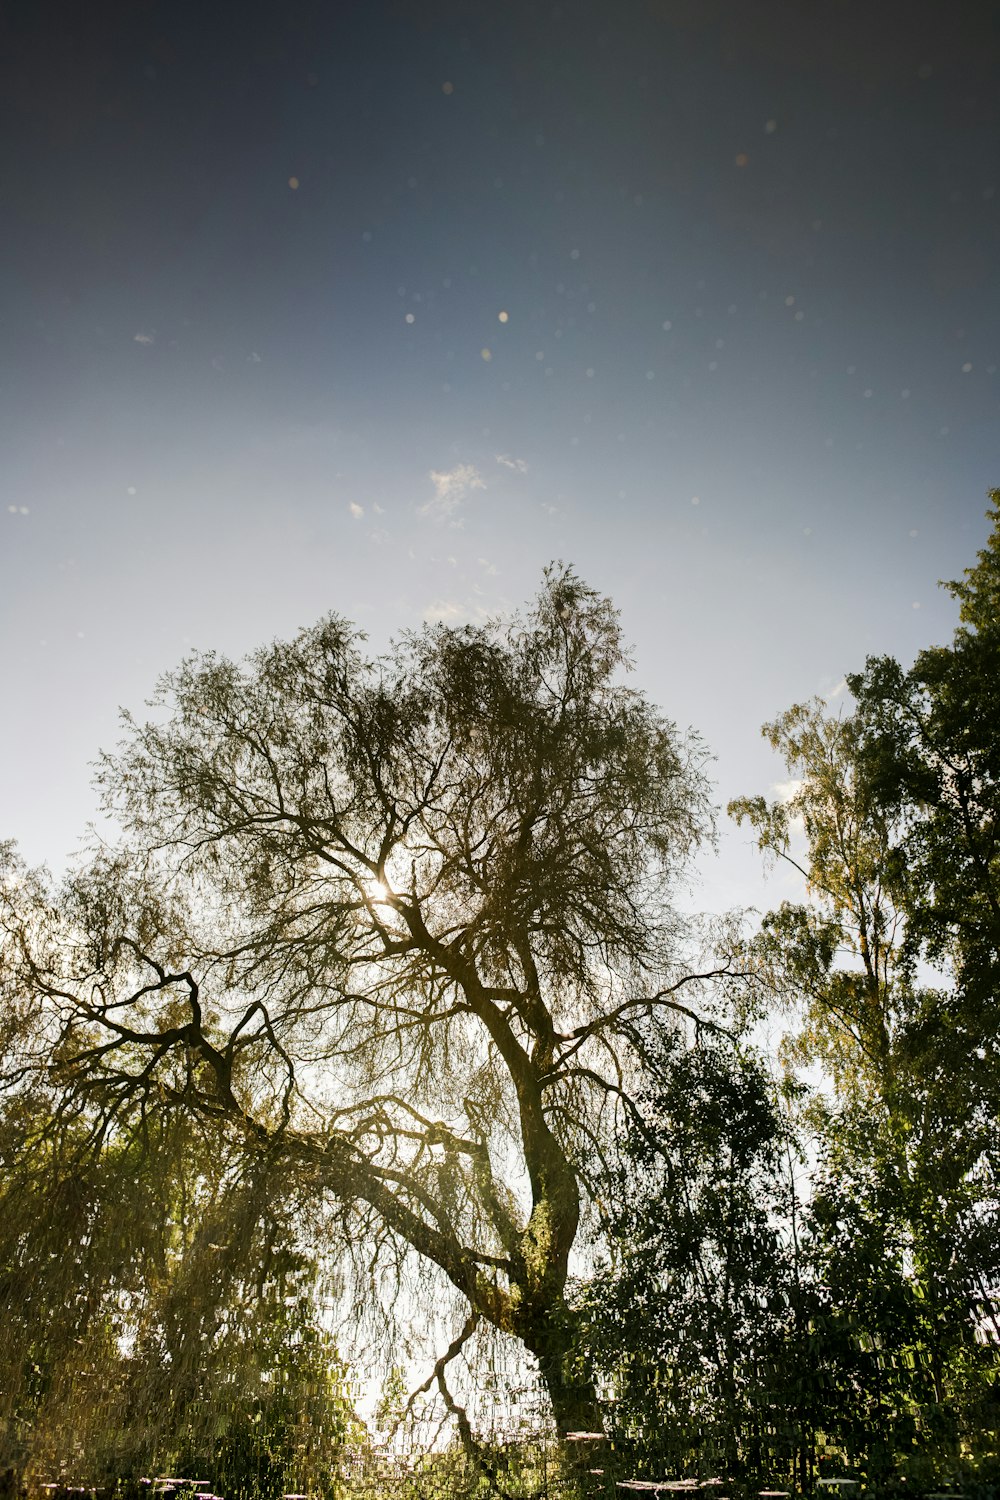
x=450, y=488
x=786, y=790
x=517, y=464
x=144, y=338
x=444, y=612
x=357, y=511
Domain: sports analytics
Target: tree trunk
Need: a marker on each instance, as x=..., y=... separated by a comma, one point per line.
x=553, y=1338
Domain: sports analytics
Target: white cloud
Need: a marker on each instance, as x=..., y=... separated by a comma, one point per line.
x=518, y=464
x=444, y=612
x=786, y=790
x=357, y=511
x=144, y=338
x=450, y=489
x=835, y=692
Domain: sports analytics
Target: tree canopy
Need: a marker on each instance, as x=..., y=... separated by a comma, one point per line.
x=398, y=922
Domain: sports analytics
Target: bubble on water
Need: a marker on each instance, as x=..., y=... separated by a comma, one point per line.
x=503, y=317
x=410, y=318
x=486, y=354
x=293, y=183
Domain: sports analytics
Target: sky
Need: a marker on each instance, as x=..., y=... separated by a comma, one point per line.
x=379, y=307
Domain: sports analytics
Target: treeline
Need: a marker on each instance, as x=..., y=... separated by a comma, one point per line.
x=384, y=973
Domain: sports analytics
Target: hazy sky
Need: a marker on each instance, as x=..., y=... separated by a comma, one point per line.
x=379, y=307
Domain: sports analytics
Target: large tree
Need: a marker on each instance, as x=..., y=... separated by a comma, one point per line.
x=929, y=749
x=398, y=922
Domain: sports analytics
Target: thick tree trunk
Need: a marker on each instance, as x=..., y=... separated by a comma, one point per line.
x=553, y=1339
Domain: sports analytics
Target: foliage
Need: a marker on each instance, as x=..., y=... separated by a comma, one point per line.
x=157, y=1308
x=687, y=1322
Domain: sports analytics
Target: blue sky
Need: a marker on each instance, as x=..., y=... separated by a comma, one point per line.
x=254, y=365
